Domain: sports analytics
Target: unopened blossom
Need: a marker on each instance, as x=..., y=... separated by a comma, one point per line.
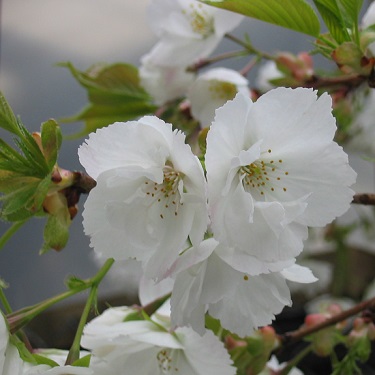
x=164, y=83
x=272, y=168
x=213, y=89
x=150, y=348
x=206, y=283
x=188, y=30
x=266, y=73
x=150, y=194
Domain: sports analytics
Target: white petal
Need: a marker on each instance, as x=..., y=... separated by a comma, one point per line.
x=299, y=274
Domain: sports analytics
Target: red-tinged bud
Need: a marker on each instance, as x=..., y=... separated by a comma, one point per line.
x=362, y=328
x=334, y=309
x=268, y=333
x=270, y=339
x=324, y=340
x=314, y=319
x=299, y=67
x=231, y=343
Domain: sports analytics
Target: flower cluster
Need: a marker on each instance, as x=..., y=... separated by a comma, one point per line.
x=271, y=167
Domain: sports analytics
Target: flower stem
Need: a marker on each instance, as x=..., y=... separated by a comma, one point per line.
x=4, y=301
x=205, y=62
x=249, y=47
x=9, y=233
x=75, y=348
x=20, y=318
x=294, y=361
x=91, y=300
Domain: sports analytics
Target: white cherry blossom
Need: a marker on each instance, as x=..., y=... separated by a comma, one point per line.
x=150, y=194
x=205, y=282
x=272, y=168
x=164, y=83
x=213, y=89
x=267, y=72
x=149, y=348
x=188, y=30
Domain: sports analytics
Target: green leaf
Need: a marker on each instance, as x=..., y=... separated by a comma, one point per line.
x=51, y=141
x=98, y=116
x=8, y=120
x=292, y=14
x=334, y=19
x=352, y=9
x=16, y=203
x=115, y=94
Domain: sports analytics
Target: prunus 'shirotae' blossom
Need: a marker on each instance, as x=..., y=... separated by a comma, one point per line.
x=150, y=194
x=188, y=30
x=272, y=170
x=213, y=89
x=150, y=348
x=205, y=282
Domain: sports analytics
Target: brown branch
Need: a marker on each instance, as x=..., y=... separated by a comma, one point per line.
x=347, y=81
x=365, y=198
x=304, y=331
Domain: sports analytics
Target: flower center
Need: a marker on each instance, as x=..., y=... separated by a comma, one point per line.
x=264, y=176
x=167, y=194
x=222, y=90
x=165, y=362
x=201, y=22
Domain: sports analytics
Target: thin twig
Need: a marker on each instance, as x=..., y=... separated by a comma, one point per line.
x=304, y=331
x=365, y=198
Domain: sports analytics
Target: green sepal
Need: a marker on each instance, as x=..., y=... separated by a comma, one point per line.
x=41, y=360
x=22, y=350
x=136, y=315
x=115, y=94
x=83, y=362
x=349, y=57
x=51, y=141
x=297, y=15
x=56, y=231
x=74, y=282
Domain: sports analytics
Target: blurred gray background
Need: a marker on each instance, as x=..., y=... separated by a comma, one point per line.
x=37, y=34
